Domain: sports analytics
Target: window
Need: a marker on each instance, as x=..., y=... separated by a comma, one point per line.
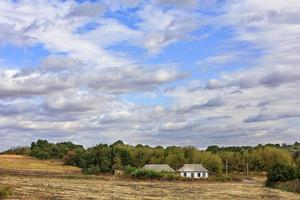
x=184, y=174
x=199, y=174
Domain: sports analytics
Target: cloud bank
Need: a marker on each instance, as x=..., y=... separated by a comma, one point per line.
x=107, y=73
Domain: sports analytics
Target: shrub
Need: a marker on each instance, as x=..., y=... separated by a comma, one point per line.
x=5, y=191
x=92, y=170
x=290, y=186
x=142, y=173
x=146, y=174
x=69, y=159
x=298, y=168
x=42, y=155
x=170, y=176
x=224, y=178
x=129, y=169
x=280, y=172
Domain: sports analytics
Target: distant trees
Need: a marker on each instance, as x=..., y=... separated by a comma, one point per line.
x=42, y=149
x=107, y=158
x=259, y=158
x=104, y=158
x=17, y=151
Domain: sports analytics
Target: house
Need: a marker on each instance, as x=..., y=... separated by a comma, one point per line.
x=193, y=171
x=158, y=167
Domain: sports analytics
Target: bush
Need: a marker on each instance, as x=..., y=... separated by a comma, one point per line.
x=92, y=170
x=142, y=173
x=5, y=191
x=146, y=174
x=42, y=155
x=224, y=178
x=290, y=186
x=298, y=168
x=69, y=159
x=280, y=172
x=170, y=176
x=129, y=169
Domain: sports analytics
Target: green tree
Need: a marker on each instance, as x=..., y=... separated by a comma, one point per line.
x=280, y=172
x=117, y=163
x=176, y=160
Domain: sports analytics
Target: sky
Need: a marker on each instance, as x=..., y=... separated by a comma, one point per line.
x=155, y=72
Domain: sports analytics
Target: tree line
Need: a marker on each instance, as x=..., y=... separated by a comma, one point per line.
x=104, y=158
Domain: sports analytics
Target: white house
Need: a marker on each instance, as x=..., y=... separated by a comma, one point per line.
x=193, y=171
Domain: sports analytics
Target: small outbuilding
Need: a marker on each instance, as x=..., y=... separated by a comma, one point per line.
x=193, y=171
x=159, y=168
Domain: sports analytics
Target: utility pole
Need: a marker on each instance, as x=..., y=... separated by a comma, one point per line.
x=247, y=169
x=226, y=168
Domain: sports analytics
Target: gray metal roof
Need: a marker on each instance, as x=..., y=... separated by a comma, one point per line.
x=159, y=168
x=192, y=168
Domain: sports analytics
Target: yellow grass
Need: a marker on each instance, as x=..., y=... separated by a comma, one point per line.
x=34, y=185
x=15, y=162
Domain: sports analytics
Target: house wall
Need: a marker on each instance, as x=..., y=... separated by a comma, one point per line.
x=189, y=174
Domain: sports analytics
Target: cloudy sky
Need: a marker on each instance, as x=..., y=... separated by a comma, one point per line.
x=156, y=72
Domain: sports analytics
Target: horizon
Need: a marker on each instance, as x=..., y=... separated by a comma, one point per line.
x=153, y=72
x=153, y=146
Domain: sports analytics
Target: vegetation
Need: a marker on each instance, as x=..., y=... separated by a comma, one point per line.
x=17, y=151
x=69, y=187
x=105, y=158
x=26, y=163
x=5, y=191
x=290, y=186
x=139, y=173
x=280, y=172
x=281, y=162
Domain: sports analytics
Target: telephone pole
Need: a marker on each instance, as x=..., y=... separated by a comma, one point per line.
x=226, y=168
x=247, y=169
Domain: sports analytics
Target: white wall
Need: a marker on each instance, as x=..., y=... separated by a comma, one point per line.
x=189, y=174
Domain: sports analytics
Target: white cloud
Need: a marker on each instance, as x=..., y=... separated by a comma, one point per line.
x=179, y=3
x=75, y=92
x=87, y=9
x=60, y=63
x=162, y=28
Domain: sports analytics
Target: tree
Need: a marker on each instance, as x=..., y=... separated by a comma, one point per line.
x=118, y=142
x=297, y=168
x=213, y=148
x=209, y=160
x=279, y=172
x=117, y=163
x=176, y=160
x=69, y=159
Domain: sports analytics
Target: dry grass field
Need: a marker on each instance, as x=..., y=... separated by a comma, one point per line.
x=15, y=162
x=50, y=180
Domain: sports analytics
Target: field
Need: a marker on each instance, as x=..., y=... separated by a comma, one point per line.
x=50, y=180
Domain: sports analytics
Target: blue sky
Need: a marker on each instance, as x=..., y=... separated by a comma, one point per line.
x=157, y=72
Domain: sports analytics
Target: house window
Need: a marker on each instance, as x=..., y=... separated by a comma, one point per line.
x=199, y=174
x=184, y=174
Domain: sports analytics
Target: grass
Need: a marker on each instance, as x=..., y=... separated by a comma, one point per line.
x=109, y=187
x=32, y=184
x=291, y=186
x=16, y=162
x=5, y=191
